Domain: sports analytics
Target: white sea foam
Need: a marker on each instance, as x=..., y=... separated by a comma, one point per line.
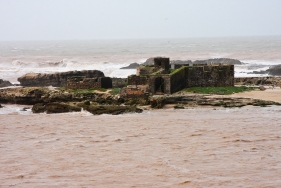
x=16, y=109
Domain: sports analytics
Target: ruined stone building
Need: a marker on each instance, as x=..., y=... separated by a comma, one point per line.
x=160, y=78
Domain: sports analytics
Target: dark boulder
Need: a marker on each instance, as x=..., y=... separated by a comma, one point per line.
x=149, y=61
x=131, y=66
x=258, y=72
x=111, y=109
x=4, y=83
x=274, y=70
x=262, y=88
x=158, y=102
x=39, y=108
x=55, y=107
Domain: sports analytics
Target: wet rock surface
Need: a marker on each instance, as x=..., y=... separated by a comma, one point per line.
x=111, y=109
x=269, y=80
x=275, y=70
x=56, y=107
x=272, y=71
x=192, y=100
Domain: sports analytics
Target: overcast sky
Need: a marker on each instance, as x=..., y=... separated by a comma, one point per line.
x=137, y=19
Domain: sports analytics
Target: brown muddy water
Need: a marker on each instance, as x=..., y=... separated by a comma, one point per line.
x=201, y=147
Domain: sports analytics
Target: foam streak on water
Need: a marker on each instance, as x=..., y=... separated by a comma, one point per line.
x=164, y=148
x=18, y=58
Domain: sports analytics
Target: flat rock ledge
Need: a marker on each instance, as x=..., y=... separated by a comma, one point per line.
x=194, y=100
x=59, y=101
x=56, y=107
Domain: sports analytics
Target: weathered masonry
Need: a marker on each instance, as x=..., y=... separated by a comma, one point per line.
x=80, y=82
x=162, y=79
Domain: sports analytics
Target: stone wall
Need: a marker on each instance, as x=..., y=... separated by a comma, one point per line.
x=137, y=80
x=218, y=76
x=162, y=63
x=56, y=79
x=160, y=84
x=210, y=76
x=119, y=82
x=200, y=76
x=178, y=80
x=87, y=83
x=194, y=76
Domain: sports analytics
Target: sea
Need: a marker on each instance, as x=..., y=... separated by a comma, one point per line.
x=161, y=148
x=20, y=57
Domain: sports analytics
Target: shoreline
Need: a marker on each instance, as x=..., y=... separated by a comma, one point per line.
x=267, y=95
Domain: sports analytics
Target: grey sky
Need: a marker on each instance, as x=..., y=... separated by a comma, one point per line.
x=137, y=19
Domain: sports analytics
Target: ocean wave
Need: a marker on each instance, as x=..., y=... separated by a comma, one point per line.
x=11, y=71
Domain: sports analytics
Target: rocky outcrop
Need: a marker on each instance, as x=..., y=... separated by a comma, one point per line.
x=131, y=66
x=202, y=100
x=33, y=95
x=59, y=101
x=111, y=109
x=23, y=95
x=4, y=83
x=56, y=79
x=272, y=71
x=149, y=61
x=275, y=70
x=56, y=107
x=270, y=81
x=216, y=61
